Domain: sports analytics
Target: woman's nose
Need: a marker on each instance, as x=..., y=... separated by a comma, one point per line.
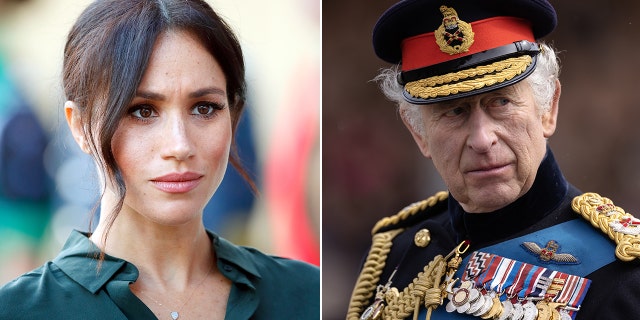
x=175, y=139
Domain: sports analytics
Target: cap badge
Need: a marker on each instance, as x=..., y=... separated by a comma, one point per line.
x=453, y=36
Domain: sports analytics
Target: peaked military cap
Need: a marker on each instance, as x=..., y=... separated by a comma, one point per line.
x=450, y=49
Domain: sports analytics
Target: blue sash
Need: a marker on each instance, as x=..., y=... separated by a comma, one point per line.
x=576, y=237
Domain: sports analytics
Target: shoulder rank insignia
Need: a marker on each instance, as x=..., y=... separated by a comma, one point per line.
x=621, y=227
x=453, y=35
x=550, y=254
x=626, y=225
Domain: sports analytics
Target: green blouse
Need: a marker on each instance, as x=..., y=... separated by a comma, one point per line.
x=71, y=287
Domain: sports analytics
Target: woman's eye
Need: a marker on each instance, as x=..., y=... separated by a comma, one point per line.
x=143, y=112
x=206, y=109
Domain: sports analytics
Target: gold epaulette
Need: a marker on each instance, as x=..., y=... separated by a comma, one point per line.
x=380, y=247
x=409, y=211
x=619, y=225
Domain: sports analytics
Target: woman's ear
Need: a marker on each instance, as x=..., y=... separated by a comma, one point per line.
x=72, y=113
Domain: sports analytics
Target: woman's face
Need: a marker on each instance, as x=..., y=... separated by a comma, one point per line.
x=172, y=146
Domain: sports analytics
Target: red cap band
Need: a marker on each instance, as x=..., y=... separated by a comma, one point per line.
x=422, y=50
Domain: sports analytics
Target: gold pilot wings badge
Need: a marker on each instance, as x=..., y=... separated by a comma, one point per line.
x=549, y=253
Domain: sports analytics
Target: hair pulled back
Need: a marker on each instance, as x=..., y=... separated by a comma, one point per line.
x=107, y=52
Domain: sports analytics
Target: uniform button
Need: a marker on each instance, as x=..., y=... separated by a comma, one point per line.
x=227, y=268
x=422, y=238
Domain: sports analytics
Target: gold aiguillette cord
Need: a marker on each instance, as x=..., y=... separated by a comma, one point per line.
x=454, y=259
x=429, y=287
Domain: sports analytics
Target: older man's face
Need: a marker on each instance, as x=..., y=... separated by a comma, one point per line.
x=487, y=147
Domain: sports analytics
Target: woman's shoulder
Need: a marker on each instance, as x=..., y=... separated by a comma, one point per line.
x=273, y=263
x=268, y=267
x=280, y=277
x=278, y=264
x=29, y=281
x=32, y=291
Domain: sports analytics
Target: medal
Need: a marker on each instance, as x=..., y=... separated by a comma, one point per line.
x=530, y=311
x=531, y=292
x=544, y=311
x=374, y=311
x=507, y=308
x=495, y=310
x=488, y=303
x=477, y=303
x=460, y=297
x=547, y=308
x=564, y=315
x=517, y=313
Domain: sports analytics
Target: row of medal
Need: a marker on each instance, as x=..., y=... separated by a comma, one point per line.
x=494, y=287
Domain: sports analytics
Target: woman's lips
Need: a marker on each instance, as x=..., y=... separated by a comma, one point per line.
x=177, y=182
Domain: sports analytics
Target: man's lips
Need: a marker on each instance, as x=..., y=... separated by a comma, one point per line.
x=177, y=182
x=486, y=169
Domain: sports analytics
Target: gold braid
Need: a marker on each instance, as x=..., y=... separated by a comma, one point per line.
x=603, y=214
x=380, y=248
x=370, y=274
x=410, y=210
x=425, y=287
x=468, y=79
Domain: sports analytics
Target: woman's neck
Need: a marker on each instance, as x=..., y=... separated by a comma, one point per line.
x=169, y=258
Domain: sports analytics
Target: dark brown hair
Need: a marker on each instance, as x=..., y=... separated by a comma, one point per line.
x=107, y=53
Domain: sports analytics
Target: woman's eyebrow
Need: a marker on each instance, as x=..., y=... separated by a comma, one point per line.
x=150, y=95
x=206, y=91
x=195, y=94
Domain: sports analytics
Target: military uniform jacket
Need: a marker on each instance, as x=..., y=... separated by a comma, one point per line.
x=615, y=287
x=70, y=287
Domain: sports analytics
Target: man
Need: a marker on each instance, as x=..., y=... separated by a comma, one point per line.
x=480, y=98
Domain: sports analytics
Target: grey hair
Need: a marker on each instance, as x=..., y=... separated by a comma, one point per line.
x=542, y=80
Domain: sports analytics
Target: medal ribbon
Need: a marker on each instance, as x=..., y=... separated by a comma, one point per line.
x=575, y=293
x=542, y=283
x=495, y=273
x=477, y=264
x=491, y=271
x=555, y=297
x=569, y=286
x=503, y=274
x=530, y=281
x=518, y=284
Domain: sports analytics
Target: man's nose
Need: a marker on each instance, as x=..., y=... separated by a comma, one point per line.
x=481, y=135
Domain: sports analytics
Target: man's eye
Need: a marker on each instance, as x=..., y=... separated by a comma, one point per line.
x=454, y=112
x=499, y=102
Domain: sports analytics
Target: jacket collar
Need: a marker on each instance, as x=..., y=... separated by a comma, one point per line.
x=546, y=194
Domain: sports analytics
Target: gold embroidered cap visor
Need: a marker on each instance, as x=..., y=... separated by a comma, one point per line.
x=470, y=75
x=449, y=49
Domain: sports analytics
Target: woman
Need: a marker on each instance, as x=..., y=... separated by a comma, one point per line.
x=155, y=89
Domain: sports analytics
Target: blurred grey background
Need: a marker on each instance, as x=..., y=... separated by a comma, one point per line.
x=371, y=167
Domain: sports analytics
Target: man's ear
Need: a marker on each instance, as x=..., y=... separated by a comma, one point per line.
x=550, y=118
x=72, y=114
x=418, y=135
